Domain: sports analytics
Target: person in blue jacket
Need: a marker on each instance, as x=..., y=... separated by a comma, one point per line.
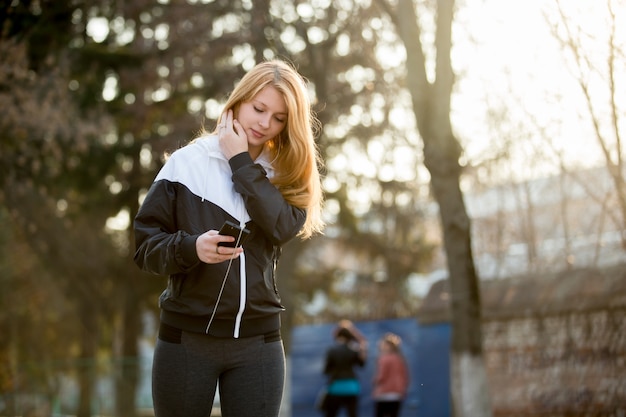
x=220, y=312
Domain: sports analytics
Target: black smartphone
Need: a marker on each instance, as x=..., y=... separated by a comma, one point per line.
x=232, y=229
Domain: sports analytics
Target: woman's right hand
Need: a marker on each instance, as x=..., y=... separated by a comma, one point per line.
x=208, y=250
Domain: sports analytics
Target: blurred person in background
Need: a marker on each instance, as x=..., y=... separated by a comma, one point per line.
x=348, y=352
x=391, y=379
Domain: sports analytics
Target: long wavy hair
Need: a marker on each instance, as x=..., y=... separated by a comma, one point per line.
x=294, y=153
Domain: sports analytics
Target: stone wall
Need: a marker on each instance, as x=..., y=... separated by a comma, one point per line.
x=554, y=346
x=568, y=365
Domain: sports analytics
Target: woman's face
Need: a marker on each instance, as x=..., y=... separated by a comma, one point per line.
x=263, y=118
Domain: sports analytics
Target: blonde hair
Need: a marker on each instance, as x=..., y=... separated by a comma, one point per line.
x=393, y=341
x=295, y=156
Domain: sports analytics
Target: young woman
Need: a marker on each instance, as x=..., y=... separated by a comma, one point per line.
x=392, y=377
x=220, y=312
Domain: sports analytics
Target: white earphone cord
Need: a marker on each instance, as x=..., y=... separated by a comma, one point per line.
x=219, y=295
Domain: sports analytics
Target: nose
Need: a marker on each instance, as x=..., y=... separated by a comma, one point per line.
x=264, y=121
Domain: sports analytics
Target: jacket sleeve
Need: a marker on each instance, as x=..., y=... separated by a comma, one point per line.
x=382, y=370
x=160, y=247
x=279, y=220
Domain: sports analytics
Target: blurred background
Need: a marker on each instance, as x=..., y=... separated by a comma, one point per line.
x=473, y=171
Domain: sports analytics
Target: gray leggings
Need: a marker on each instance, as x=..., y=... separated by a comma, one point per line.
x=250, y=371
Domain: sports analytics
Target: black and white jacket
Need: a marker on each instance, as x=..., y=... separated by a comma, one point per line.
x=197, y=190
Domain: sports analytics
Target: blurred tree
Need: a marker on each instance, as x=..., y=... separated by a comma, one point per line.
x=51, y=168
x=431, y=105
x=596, y=61
x=577, y=218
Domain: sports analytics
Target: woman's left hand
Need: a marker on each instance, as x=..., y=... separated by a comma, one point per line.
x=232, y=137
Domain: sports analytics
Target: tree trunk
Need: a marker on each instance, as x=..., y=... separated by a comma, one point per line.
x=132, y=291
x=285, y=273
x=468, y=376
x=431, y=106
x=128, y=377
x=87, y=360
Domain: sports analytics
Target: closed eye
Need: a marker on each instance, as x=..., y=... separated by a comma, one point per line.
x=259, y=110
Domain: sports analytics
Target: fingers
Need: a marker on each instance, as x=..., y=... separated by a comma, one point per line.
x=239, y=130
x=227, y=251
x=226, y=122
x=229, y=119
x=232, y=136
x=210, y=252
x=223, y=125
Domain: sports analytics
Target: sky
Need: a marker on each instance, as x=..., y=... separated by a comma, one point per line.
x=505, y=55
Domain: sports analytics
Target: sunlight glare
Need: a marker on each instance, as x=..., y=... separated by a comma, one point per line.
x=110, y=89
x=120, y=222
x=98, y=29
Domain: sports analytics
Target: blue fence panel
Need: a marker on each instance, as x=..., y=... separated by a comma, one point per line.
x=425, y=348
x=433, y=371
x=308, y=347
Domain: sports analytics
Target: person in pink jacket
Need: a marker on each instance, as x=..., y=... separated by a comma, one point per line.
x=391, y=380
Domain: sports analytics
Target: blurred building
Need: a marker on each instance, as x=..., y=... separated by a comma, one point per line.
x=567, y=221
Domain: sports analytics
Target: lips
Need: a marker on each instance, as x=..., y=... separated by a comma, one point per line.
x=256, y=134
